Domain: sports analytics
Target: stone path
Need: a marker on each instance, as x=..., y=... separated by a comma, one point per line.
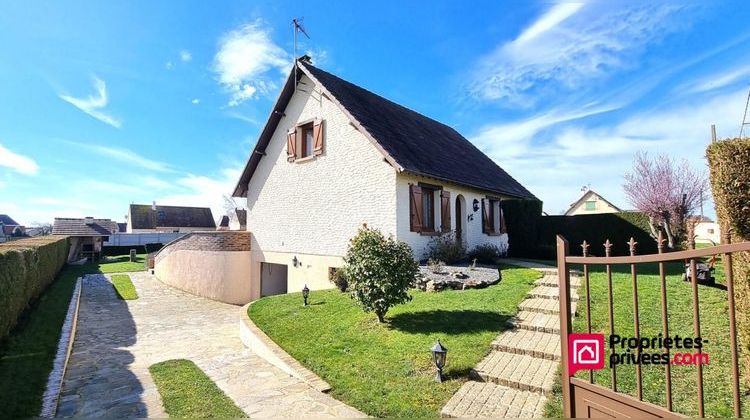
x=118, y=340
x=515, y=379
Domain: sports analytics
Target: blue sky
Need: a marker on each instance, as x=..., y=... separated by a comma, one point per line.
x=107, y=103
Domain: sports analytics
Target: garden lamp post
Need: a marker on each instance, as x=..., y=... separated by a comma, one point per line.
x=439, y=354
x=305, y=293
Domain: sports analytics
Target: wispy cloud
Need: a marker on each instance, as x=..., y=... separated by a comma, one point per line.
x=245, y=56
x=185, y=56
x=203, y=191
x=718, y=80
x=571, y=46
x=94, y=104
x=195, y=101
x=124, y=155
x=16, y=162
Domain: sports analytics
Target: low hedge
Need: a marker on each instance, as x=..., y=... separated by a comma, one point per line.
x=27, y=267
x=125, y=250
x=728, y=162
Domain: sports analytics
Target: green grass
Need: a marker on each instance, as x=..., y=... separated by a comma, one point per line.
x=714, y=329
x=187, y=392
x=27, y=354
x=124, y=287
x=122, y=264
x=386, y=369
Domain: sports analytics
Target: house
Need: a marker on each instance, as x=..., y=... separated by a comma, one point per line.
x=9, y=228
x=223, y=223
x=591, y=202
x=334, y=156
x=706, y=230
x=86, y=235
x=144, y=218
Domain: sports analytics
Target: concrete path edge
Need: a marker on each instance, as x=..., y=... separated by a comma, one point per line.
x=64, y=347
x=262, y=345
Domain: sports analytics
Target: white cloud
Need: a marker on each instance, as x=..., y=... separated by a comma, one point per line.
x=717, y=80
x=570, y=47
x=245, y=56
x=185, y=56
x=195, y=101
x=204, y=191
x=125, y=156
x=94, y=105
x=19, y=163
x=555, y=167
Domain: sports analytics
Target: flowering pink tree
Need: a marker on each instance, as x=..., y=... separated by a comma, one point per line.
x=667, y=191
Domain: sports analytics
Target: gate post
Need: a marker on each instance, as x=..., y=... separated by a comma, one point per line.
x=563, y=275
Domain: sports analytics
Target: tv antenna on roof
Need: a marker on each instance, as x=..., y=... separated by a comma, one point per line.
x=744, y=116
x=297, y=23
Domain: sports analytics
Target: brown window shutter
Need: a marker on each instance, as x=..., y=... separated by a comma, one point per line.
x=291, y=144
x=318, y=140
x=445, y=211
x=503, y=229
x=485, y=218
x=415, y=207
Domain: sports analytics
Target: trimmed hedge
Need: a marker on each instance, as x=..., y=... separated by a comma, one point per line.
x=728, y=162
x=532, y=235
x=27, y=267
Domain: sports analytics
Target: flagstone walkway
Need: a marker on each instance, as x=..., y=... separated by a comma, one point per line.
x=118, y=340
x=516, y=378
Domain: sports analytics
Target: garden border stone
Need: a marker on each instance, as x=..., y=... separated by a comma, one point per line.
x=64, y=347
x=262, y=345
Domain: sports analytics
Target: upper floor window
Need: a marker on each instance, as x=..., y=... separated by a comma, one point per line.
x=305, y=140
x=590, y=205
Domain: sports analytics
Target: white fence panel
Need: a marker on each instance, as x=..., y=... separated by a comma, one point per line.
x=136, y=239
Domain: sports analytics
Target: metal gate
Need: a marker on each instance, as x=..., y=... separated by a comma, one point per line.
x=585, y=399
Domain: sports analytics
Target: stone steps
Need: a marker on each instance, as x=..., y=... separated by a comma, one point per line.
x=537, y=344
x=544, y=306
x=534, y=321
x=519, y=371
x=551, y=281
x=489, y=400
x=547, y=292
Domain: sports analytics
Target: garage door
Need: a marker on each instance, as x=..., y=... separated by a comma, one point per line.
x=272, y=279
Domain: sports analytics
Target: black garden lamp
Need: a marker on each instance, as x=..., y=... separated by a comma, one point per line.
x=305, y=293
x=439, y=354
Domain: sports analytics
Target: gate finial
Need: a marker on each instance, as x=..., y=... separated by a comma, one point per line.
x=631, y=244
x=585, y=246
x=607, y=248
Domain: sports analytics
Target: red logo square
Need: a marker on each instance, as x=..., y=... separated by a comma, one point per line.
x=585, y=351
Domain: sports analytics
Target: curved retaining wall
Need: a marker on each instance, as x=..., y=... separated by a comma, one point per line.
x=215, y=265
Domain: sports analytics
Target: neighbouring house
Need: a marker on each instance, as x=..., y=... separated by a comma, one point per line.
x=145, y=218
x=10, y=229
x=223, y=223
x=706, y=230
x=122, y=227
x=332, y=157
x=86, y=235
x=591, y=202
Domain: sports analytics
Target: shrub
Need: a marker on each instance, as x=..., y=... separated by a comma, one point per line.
x=27, y=267
x=436, y=266
x=446, y=248
x=728, y=161
x=338, y=277
x=486, y=253
x=380, y=271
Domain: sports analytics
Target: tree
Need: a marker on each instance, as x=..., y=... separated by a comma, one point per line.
x=380, y=271
x=667, y=191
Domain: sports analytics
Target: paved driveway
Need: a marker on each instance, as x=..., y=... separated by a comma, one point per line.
x=118, y=340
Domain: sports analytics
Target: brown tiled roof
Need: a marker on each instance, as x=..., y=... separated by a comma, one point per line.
x=80, y=227
x=143, y=216
x=410, y=141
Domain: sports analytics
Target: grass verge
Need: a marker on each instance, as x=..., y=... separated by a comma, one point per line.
x=187, y=392
x=27, y=354
x=385, y=370
x=714, y=331
x=124, y=287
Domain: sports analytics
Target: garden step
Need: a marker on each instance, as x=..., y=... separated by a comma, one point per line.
x=534, y=321
x=547, y=292
x=550, y=280
x=532, y=343
x=489, y=400
x=520, y=371
x=544, y=306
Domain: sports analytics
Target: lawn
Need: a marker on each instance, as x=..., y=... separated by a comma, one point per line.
x=188, y=393
x=124, y=287
x=386, y=369
x=714, y=331
x=121, y=264
x=27, y=354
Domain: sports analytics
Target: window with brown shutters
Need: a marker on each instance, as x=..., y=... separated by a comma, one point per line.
x=445, y=211
x=415, y=208
x=291, y=145
x=305, y=140
x=503, y=229
x=318, y=137
x=486, y=224
x=492, y=217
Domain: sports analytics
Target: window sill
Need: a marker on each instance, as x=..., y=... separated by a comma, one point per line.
x=304, y=159
x=430, y=233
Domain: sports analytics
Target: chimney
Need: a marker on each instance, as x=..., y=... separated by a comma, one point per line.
x=89, y=220
x=153, y=205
